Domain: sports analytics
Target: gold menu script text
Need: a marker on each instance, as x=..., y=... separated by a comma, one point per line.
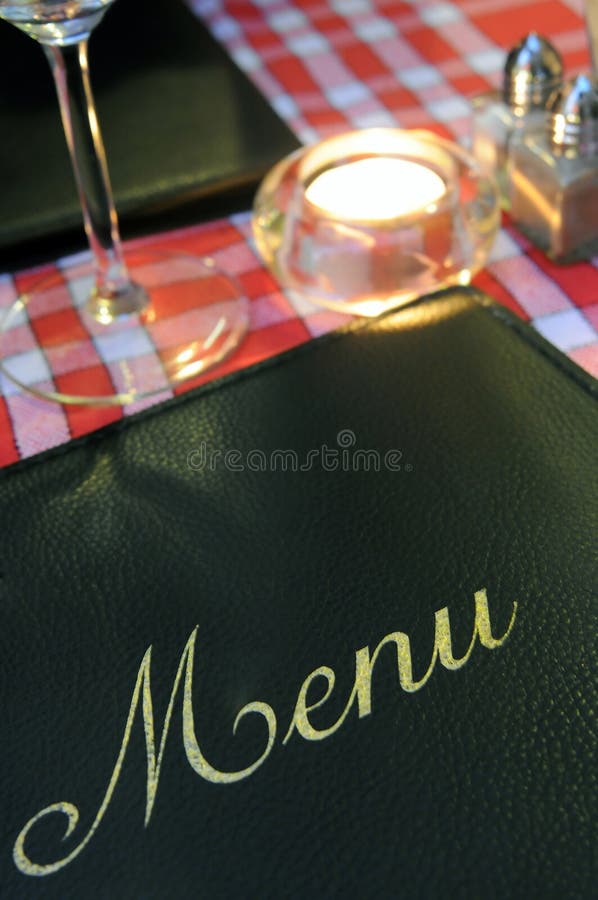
x=360, y=697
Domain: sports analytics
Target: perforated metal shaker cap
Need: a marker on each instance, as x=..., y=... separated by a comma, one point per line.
x=573, y=117
x=533, y=69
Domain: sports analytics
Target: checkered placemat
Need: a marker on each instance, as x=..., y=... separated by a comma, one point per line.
x=325, y=68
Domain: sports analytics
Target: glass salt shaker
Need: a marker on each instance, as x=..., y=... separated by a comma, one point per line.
x=532, y=71
x=553, y=175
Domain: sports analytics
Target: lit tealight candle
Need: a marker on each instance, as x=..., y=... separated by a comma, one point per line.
x=375, y=188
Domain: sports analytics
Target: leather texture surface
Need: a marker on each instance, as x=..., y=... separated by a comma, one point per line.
x=186, y=132
x=481, y=784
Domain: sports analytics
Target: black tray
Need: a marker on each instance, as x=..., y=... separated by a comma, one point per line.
x=188, y=136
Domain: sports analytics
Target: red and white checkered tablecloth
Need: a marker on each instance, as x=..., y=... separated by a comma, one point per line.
x=327, y=67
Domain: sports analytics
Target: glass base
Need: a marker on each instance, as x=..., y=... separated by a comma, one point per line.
x=54, y=342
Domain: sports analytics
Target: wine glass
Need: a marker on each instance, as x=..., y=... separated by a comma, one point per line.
x=150, y=319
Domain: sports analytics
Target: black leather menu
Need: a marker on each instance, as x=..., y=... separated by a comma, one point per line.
x=187, y=134
x=324, y=628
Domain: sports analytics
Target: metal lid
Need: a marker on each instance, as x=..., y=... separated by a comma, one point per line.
x=573, y=117
x=533, y=70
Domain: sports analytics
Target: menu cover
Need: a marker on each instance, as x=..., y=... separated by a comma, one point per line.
x=324, y=628
x=187, y=135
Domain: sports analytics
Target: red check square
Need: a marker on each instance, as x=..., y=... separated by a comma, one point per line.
x=94, y=381
x=8, y=449
x=547, y=16
x=61, y=327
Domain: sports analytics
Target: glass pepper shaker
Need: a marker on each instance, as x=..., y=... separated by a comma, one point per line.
x=553, y=175
x=532, y=71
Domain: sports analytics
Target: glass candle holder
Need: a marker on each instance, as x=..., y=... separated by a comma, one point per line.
x=368, y=220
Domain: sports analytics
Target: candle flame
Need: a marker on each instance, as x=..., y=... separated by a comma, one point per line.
x=375, y=189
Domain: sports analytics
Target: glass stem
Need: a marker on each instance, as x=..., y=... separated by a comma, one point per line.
x=71, y=76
